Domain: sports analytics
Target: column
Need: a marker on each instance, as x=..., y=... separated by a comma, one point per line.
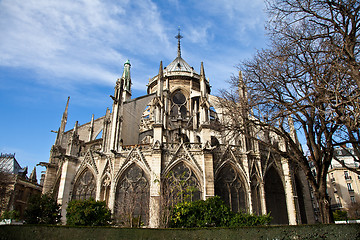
x=289, y=193
x=155, y=190
x=65, y=187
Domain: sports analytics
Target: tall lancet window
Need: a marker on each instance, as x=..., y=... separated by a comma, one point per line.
x=180, y=185
x=178, y=108
x=132, y=197
x=229, y=186
x=85, y=186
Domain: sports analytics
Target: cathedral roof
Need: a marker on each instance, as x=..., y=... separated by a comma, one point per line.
x=179, y=65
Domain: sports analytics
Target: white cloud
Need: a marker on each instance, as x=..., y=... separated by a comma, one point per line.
x=68, y=43
x=77, y=40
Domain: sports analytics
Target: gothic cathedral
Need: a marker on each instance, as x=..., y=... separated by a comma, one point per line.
x=155, y=150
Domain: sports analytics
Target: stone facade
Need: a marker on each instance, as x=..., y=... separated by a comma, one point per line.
x=15, y=187
x=154, y=150
x=344, y=185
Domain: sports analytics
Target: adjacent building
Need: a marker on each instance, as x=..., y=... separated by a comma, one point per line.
x=15, y=187
x=343, y=184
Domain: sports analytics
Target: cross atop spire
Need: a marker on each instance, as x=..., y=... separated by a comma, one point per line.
x=178, y=37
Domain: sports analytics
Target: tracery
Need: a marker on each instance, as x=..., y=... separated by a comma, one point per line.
x=85, y=186
x=230, y=187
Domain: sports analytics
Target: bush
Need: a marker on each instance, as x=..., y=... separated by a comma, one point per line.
x=88, y=213
x=340, y=215
x=42, y=209
x=246, y=219
x=13, y=214
x=212, y=213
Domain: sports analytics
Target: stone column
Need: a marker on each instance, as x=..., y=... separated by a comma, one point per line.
x=112, y=195
x=245, y=161
x=158, y=133
x=289, y=193
x=155, y=189
x=262, y=198
x=208, y=175
x=98, y=188
x=65, y=187
x=50, y=176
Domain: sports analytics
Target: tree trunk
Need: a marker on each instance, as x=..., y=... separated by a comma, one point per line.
x=325, y=212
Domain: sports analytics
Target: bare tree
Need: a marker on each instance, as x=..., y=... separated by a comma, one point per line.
x=307, y=81
x=335, y=30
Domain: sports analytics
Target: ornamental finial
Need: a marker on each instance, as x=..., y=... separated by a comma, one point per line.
x=178, y=37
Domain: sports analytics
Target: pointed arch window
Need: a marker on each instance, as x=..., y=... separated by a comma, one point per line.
x=230, y=187
x=255, y=195
x=180, y=185
x=178, y=106
x=132, y=197
x=85, y=186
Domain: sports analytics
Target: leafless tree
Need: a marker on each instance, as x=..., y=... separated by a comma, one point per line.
x=335, y=30
x=308, y=82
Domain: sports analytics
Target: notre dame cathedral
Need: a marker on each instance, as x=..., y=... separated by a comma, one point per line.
x=145, y=151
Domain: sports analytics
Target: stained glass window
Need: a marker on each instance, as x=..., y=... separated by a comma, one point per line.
x=178, y=108
x=132, y=197
x=230, y=188
x=85, y=186
x=181, y=184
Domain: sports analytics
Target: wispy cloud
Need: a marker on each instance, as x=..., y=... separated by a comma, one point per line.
x=77, y=40
x=69, y=43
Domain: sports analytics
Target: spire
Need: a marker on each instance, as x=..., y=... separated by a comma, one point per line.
x=91, y=128
x=202, y=72
x=75, y=130
x=178, y=37
x=33, y=175
x=160, y=81
x=126, y=76
x=161, y=69
x=64, y=117
x=242, y=87
x=61, y=130
x=202, y=80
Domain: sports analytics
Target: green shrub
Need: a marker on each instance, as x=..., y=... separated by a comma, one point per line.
x=42, y=209
x=212, y=213
x=13, y=214
x=340, y=215
x=88, y=213
x=246, y=219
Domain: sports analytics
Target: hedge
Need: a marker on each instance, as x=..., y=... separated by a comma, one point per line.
x=40, y=232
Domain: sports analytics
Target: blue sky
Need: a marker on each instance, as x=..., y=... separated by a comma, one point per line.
x=50, y=50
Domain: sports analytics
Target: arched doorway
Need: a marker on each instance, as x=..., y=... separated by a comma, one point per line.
x=132, y=198
x=275, y=197
x=230, y=187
